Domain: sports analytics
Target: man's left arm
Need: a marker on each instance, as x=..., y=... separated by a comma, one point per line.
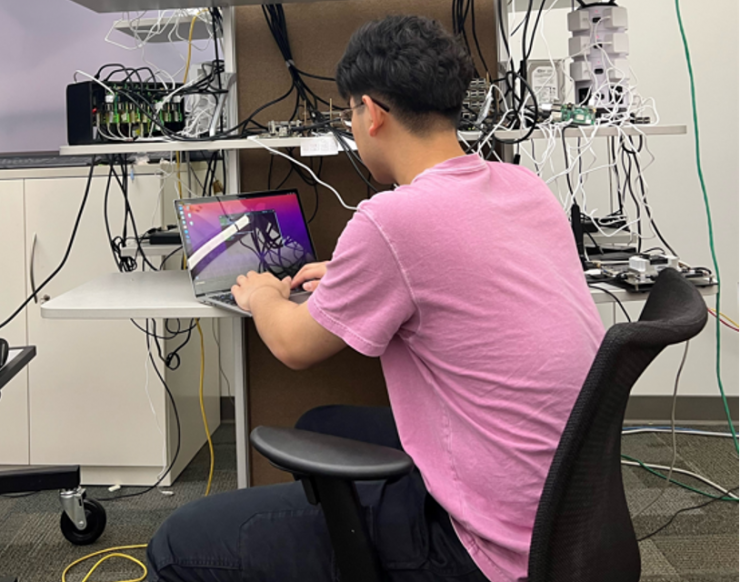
x=288, y=329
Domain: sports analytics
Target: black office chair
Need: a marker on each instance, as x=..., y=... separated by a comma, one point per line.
x=582, y=530
x=83, y=519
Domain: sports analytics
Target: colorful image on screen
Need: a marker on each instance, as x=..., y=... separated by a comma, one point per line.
x=225, y=238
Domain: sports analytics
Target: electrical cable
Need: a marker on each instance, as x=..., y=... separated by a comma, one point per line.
x=653, y=468
x=697, y=151
x=203, y=408
x=670, y=521
x=673, y=435
x=629, y=430
x=627, y=315
x=113, y=555
x=296, y=162
x=177, y=423
x=66, y=253
x=220, y=368
x=722, y=317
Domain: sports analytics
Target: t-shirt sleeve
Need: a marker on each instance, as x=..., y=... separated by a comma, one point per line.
x=364, y=298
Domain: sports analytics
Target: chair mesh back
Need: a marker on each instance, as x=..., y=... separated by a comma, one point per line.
x=583, y=531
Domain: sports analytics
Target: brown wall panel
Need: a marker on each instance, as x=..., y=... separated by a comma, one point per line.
x=318, y=34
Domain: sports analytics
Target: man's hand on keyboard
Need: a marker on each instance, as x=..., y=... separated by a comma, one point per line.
x=308, y=277
x=251, y=283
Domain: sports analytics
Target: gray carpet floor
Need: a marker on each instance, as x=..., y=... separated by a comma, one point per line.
x=700, y=545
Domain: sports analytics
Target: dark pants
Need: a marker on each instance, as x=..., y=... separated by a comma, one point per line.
x=272, y=534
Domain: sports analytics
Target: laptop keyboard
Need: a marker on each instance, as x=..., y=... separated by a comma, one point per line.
x=224, y=298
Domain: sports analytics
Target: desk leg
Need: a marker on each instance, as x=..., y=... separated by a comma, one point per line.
x=240, y=400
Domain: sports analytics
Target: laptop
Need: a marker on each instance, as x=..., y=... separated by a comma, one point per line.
x=227, y=236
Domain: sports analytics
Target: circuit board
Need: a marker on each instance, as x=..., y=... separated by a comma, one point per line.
x=569, y=113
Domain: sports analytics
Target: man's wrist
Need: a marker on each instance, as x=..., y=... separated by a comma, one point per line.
x=276, y=291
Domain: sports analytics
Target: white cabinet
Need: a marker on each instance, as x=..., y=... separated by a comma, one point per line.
x=91, y=397
x=14, y=396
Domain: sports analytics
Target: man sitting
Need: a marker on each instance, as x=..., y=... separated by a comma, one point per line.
x=466, y=282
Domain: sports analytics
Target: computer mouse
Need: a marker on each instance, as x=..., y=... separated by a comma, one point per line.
x=4, y=350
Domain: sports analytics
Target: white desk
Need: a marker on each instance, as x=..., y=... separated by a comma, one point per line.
x=169, y=295
x=161, y=294
x=600, y=296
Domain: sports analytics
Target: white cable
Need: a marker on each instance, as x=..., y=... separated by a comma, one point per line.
x=147, y=362
x=673, y=436
x=682, y=472
x=305, y=167
x=98, y=81
x=695, y=432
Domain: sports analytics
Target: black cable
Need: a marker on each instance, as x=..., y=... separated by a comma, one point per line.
x=124, y=264
x=627, y=167
x=523, y=68
x=593, y=240
x=291, y=169
x=534, y=31
x=504, y=36
x=319, y=77
x=627, y=315
x=19, y=495
x=154, y=335
x=172, y=360
x=66, y=253
x=634, y=155
x=165, y=259
x=129, y=214
x=700, y=506
x=269, y=171
x=348, y=151
x=475, y=38
x=177, y=422
x=316, y=190
x=567, y=166
x=215, y=13
x=615, y=168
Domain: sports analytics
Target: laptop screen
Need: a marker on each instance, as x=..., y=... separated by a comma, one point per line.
x=227, y=236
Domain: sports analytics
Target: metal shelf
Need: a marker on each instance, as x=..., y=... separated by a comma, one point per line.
x=139, y=5
x=166, y=32
x=586, y=131
x=149, y=250
x=143, y=147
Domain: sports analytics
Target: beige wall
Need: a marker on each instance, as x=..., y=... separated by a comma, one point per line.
x=318, y=33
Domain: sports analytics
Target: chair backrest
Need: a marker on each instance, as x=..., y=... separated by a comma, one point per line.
x=582, y=530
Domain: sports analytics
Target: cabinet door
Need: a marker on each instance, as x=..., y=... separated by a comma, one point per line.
x=14, y=396
x=89, y=388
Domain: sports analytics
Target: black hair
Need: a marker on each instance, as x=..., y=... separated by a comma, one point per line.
x=412, y=64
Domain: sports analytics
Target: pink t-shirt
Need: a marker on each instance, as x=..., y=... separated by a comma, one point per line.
x=467, y=284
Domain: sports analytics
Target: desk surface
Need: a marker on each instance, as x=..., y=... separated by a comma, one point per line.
x=153, y=294
x=169, y=294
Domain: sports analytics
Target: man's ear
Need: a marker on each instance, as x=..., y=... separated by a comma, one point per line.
x=377, y=115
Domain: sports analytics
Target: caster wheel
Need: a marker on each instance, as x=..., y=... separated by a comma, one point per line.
x=95, y=515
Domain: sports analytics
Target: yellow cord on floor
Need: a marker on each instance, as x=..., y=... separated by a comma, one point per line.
x=109, y=556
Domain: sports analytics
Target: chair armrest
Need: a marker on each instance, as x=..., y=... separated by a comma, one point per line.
x=311, y=453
